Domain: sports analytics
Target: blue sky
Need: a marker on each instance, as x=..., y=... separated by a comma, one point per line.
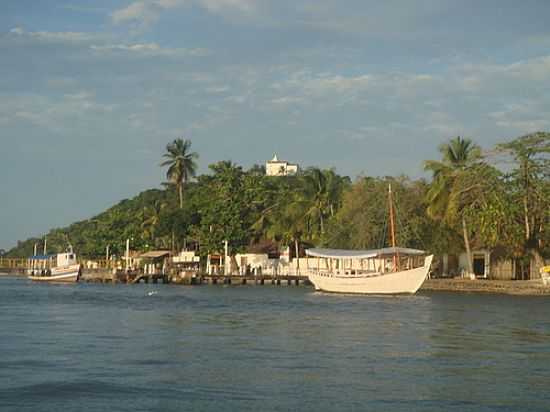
x=91, y=91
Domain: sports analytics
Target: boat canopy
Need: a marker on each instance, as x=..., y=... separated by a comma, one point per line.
x=41, y=257
x=363, y=254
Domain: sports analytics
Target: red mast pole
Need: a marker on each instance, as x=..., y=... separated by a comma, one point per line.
x=392, y=226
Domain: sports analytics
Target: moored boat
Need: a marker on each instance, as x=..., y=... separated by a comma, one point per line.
x=392, y=270
x=59, y=267
x=369, y=271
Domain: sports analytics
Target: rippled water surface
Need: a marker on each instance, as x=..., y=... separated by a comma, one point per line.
x=88, y=347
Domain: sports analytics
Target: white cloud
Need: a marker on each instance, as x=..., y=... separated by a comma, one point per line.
x=338, y=84
x=337, y=89
x=483, y=77
x=463, y=99
x=237, y=99
x=54, y=113
x=54, y=37
x=524, y=126
x=148, y=50
x=524, y=116
x=219, y=6
x=81, y=95
x=443, y=124
x=286, y=100
x=217, y=89
x=459, y=82
x=147, y=12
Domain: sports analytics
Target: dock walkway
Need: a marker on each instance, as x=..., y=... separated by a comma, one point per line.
x=295, y=280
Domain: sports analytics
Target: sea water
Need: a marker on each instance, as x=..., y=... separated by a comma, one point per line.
x=92, y=347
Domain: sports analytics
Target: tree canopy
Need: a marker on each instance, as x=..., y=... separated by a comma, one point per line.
x=472, y=200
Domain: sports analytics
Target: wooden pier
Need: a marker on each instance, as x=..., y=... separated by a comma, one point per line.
x=139, y=277
x=103, y=276
x=13, y=265
x=146, y=278
x=292, y=280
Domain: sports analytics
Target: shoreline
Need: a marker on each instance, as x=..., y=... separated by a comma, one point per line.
x=501, y=287
x=484, y=286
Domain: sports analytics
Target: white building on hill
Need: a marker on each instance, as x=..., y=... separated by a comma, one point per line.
x=276, y=167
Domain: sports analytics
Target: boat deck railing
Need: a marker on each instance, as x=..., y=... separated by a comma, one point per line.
x=346, y=273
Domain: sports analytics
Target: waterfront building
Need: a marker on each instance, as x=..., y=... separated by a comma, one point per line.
x=186, y=265
x=276, y=167
x=487, y=265
x=155, y=261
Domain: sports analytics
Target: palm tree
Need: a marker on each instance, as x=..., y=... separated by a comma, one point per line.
x=181, y=164
x=322, y=193
x=450, y=184
x=289, y=225
x=151, y=219
x=314, y=196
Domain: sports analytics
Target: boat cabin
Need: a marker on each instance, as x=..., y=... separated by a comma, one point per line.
x=359, y=262
x=40, y=264
x=66, y=259
x=43, y=264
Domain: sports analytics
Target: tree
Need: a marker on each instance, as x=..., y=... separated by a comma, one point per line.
x=181, y=164
x=362, y=220
x=529, y=183
x=450, y=186
x=151, y=220
x=223, y=210
x=320, y=196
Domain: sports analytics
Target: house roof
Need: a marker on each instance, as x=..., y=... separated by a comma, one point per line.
x=155, y=254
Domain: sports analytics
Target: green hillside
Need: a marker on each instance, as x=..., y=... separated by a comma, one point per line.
x=469, y=203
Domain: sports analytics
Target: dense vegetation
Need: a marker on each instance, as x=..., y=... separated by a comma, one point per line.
x=473, y=200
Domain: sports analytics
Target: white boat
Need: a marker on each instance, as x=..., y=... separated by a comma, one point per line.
x=369, y=271
x=59, y=267
x=392, y=270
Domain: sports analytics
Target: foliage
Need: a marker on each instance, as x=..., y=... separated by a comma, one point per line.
x=223, y=209
x=181, y=164
x=467, y=198
x=362, y=221
x=528, y=193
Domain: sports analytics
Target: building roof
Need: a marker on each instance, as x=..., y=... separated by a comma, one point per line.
x=276, y=160
x=155, y=254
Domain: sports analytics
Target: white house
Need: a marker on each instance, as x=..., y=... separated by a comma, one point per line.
x=487, y=265
x=276, y=167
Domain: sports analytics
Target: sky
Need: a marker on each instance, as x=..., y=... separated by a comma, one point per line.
x=91, y=91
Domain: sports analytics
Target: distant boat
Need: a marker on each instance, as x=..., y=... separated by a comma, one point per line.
x=392, y=270
x=59, y=267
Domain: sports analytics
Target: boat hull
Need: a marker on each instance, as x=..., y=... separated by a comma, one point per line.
x=392, y=283
x=68, y=274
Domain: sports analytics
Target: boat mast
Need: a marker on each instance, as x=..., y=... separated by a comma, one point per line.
x=392, y=227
